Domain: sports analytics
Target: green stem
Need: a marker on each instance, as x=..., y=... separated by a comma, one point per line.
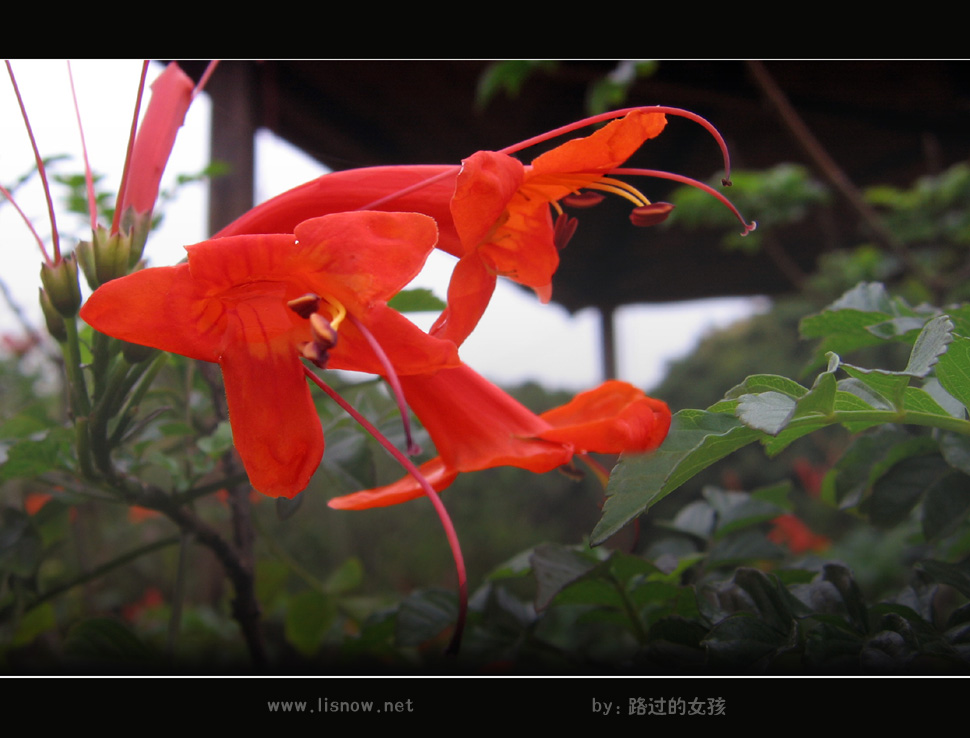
x=97, y=572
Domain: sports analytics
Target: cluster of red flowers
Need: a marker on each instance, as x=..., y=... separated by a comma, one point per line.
x=305, y=279
x=307, y=276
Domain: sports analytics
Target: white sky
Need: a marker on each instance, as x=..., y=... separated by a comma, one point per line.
x=518, y=339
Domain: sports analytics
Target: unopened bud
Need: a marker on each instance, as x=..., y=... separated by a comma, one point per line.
x=112, y=255
x=60, y=280
x=85, y=258
x=53, y=319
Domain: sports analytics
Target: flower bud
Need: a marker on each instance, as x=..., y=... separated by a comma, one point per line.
x=54, y=320
x=60, y=280
x=112, y=254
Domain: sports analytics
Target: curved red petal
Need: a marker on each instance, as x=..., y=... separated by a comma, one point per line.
x=605, y=149
x=409, y=349
x=475, y=425
x=486, y=184
x=171, y=97
x=356, y=189
x=613, y=418
x=469, y=293
x=275, y=427
x=365, y=256
x=162, y=307
x=438, y=475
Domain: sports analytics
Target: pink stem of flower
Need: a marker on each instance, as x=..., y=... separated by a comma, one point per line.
x=210, y=68
x=55, y=239
x=679, y=112
x=88, y=178
x=658, y=174
x=40, y=241
x=428, y=490
x=390, y=374
x=119, y=206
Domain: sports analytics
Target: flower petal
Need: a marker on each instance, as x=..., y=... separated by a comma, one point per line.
x=358, y=189
x=275, y=427
x=366, y=256
x=438, y=475
x=485, y=186
x=171, y=97
x=614, y=418
x=469, y=293
x=475, y=425
x=161, y=307
x=605, y=149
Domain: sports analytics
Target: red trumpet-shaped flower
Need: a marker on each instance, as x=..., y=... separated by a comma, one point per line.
x=475, y=425
x=172, y=94
x=256, y=304
x=494, y=212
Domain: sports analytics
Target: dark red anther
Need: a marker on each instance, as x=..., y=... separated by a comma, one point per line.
x=652, y=214
x=583, y=199
x=306, y=305
x=563, y=230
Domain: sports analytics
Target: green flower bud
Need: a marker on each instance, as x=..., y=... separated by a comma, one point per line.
x=85, y=258
x=111, y=254
x=61, y=283
x=54, y=320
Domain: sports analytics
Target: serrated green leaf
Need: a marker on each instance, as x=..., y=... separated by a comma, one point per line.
x=696, y=439
x=767, y=383
x=556, y=566
x=768, y=412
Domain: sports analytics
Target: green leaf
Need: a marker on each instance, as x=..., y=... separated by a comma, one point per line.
x=555, y=567
x=953, y=369
x=946, y=504
x=768, y=412
x=697, y=439
x=424, y=615
x=417, y=300
x=309, y=615
x=897, y=491
x=103, y=640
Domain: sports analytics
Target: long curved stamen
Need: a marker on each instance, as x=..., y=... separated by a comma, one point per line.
x=677, y=112
x=390, y=374
x=55, y=239
x=748, y=227
x=88, y=178
x=443, y=516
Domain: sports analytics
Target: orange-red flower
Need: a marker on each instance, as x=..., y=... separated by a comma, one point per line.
x=475, y=425
x=790, y=531
x=171, y=97
x=494, y=213
x=255, y=304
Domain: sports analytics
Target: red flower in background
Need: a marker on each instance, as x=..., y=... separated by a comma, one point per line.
x=788, y=530
x=475, y=425
x=256, y=304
